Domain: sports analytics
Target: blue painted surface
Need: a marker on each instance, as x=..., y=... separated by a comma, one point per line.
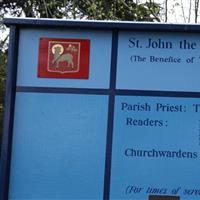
x=59, y=143
x=166, y=76
x=180, y=131
x=100, y=56
x=58, y=146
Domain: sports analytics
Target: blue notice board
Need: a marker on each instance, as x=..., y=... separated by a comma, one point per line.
x=115, y=114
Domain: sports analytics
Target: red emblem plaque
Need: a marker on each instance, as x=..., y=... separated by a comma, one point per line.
x=64, y=58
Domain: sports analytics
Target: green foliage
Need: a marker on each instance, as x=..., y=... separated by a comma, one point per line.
x=3, y=61
x=33, y=8
x=119, y=10
x=90, y=9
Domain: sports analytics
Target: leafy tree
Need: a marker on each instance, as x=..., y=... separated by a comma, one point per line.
x=119, y=10
x=3, y=61
x=90, y=9
x=33, y=8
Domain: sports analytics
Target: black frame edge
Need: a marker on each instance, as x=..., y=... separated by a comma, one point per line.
x=63, y=90
x=6, y=146
x=97, y=24
x=110, y=120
